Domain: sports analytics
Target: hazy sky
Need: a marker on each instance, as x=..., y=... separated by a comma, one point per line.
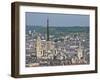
x=56, y=19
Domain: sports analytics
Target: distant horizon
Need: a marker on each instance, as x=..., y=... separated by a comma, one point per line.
x=56, y=19
x=56, y=26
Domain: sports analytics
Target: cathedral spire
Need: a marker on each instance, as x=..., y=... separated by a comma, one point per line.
x=47, y=29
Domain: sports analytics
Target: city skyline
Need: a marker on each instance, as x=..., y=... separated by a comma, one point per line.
x=62, y=20
x=59, y=48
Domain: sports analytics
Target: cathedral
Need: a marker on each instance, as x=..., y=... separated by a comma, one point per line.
x=43, y=48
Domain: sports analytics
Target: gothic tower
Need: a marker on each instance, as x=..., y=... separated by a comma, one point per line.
x=80, y=51
x=38, y=47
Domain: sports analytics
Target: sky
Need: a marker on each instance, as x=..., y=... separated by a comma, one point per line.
x=56, y=19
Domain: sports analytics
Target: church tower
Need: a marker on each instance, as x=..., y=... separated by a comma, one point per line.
x=38, y=47
x=80, y=51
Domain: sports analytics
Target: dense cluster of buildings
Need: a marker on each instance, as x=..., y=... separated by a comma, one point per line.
x=71, y=49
